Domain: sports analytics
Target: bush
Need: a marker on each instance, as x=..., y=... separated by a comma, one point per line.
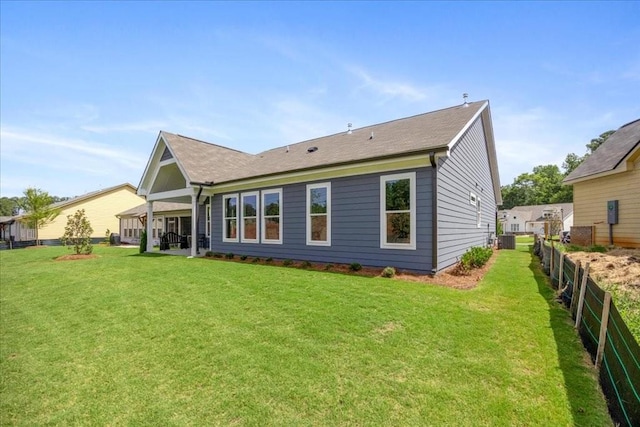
x=287, y=262
x=229, y=255
x=355, y=266
x=256, y=260
x=475, y=257
x=243, y=257
x=268, y=259
x=77, y=233
x=388, y=272
x=328, y=267
x=594, y=248
x=143, y=241
x=217, y=255
x=208, y=254
x=306, y=264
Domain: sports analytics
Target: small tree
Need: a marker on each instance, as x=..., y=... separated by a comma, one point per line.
x=77, y=233
x=39, y=212
x=143, y=241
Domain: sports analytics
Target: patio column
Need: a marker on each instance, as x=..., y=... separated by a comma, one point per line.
x=149, y=226
x=194, y=225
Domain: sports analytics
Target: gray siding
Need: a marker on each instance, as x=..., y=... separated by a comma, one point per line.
x=465, y=171
x=355, y=223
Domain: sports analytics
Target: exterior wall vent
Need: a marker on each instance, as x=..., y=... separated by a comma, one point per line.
x=312, y=149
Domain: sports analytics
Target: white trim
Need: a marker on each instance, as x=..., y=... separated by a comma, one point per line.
x=243, y=239
x=224, y=218
x=466, y=127
x=207, y=225
x=411, y=176
x=327, y=186
x=182, y=192
x=262, y=217
x=479, y=212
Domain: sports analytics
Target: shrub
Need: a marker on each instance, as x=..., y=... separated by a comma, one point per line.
x=107, y=237
x=328, y=267
x=143, y=241
x=475, y=257
x=597, y=248
x=256, y=259
x=217, y=255
x=388, y=272
x=306, y=264
x=287, y=262
x=208, y=254
x=355, y=266
x=243, y=257
x=268, y=259
x=77, y=233
x=229, y=255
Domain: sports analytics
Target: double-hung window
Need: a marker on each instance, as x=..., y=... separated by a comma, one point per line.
x=271, y=216
x=319, y=214
x=230, y=216
x=398, y=211
x=250, y=209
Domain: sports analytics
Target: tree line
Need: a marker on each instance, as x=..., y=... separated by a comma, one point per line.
x=12, y=206
x=544, y=184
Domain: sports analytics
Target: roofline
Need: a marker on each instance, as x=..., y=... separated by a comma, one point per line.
x=601, y=174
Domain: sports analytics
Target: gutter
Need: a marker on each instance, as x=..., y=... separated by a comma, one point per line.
x=434, y=213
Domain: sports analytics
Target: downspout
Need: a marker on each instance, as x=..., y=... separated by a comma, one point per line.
x=434, y=213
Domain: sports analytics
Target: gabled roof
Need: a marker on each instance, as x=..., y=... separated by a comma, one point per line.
x=536, y=212
x=610, y=154
x=435, y=131
x=87, y=196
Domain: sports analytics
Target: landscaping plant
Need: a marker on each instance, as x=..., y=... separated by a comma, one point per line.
x=77, y=233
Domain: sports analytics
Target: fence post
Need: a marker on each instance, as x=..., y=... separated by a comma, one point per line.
x=583, y=289
x=560, y=275
x=574, y=291
x=604, y=323
x=551, y=261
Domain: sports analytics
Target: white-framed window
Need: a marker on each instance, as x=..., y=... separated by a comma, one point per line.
x=208, y=221
x=319, y=214
x=515, y=227
x=398, y=211
x=250, y=209
x=230, y=218
x=478, y=213
x=271, y=218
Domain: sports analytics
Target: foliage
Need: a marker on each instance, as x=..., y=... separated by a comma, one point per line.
x=39, y=210
x=243, y=257
x=475, y=257
x=217, y=255
x=593, y=248
x=216, y=343
x=268, y=259
x=306, y=264
x=208, y=254
x=388, y=272
x=77, y=233
x=287, y=262
x=143, y=241
x=355, y=266
x=9, y=206
x=499, y=228
x=328, y=267
x=229, y=255
x=107, y=237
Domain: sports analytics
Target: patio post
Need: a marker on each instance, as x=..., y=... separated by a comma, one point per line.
x=194, y=225
x=149, y=226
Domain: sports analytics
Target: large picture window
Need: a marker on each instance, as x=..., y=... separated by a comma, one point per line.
x=319, y=214
x=230, y=218
x=271, y=216
x=398, y=211
x=250, y=210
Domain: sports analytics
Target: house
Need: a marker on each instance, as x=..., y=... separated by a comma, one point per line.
x=100, y=208
x=606, y=189
x=167, y=217
x=531, y=219
x=414, y=193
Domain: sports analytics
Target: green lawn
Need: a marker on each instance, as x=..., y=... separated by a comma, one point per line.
x=128, y=339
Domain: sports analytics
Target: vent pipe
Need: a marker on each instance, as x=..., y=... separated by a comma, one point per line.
x=465, y=96
x=349, y=126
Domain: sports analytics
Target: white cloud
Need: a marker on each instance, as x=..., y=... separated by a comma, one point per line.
x=389, y=88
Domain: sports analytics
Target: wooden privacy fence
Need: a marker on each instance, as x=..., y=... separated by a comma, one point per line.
x=605, y=335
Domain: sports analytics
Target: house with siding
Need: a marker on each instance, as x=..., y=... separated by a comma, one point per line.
x=100, y=208
x=167, y=217
x=414, y=193
x=531, y=219
x=608, y=181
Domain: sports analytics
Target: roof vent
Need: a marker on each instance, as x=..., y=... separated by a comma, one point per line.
x=312, y=149
x=465, y=96
x=349, y=126
x=287, y=148
x=371, y=137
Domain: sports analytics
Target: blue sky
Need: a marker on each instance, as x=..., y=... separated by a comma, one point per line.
x=86, y=87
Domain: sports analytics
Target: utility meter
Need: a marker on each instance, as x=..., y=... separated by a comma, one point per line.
x=612, y=212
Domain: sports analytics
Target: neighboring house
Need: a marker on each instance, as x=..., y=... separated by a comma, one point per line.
x=7, y=228
x=175, y=217
x=610, y=174
x=531, y=219
x=100, y=208
x=414, y=193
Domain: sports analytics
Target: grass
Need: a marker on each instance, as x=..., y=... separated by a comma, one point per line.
x=128, y=339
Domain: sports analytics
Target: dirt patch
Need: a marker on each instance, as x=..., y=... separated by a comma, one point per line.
x=618, y=266
x=448, y=278
x=75, y=257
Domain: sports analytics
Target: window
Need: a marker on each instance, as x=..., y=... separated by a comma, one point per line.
x=230, y=218
x=319, y=214
x=208, y=222
x=398, y=211
x=250, y=217
x=515, y=227
x=478, y=213
x=272, y=216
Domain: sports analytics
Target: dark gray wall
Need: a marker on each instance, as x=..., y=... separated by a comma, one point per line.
x=466, y=170
x=355, y=223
